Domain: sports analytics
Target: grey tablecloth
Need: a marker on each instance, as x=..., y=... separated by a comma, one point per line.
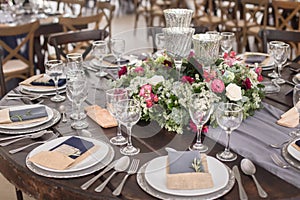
x=252, y=140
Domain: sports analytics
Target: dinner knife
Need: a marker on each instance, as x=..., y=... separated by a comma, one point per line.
x=236, y=173
x=87, y=184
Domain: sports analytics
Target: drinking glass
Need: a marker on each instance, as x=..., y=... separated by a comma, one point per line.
x=100, y=49
x=75, y=58
x=281, y=53
x=271, y=48
x=118, y=48
x=77, y=90
x=160, y=40
x=200, y=111
x=227, y=40
x=55, y=69
x=113, y=96
x=129, y=113
x=296, y=102
x=229, y=117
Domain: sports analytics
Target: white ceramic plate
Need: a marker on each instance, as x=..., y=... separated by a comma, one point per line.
x=88, y=162
x=267, y=66
x=40, y=89
x=155, y=175
x=292, y=151
x=47, y=93
x=31, y=125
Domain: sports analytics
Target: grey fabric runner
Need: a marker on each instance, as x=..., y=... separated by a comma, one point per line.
x=252, y=139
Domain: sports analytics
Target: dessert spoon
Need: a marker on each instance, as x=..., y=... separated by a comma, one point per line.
x=248, y=168
x=32, y=136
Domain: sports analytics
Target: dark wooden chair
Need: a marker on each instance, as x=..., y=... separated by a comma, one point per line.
x=2, y=79
x=291, y=37
x=59, y=40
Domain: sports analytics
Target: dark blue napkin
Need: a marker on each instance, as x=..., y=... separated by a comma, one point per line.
x=181, y=161
x=297, y=143
x=61, y=82
x=251, y=59
x=81, y=144
x=28, y=114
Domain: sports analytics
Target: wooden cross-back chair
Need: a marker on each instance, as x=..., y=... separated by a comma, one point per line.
x=16, y=65
x=291, y=37
x=2, y=79
x=58, y=40
x=287, y=15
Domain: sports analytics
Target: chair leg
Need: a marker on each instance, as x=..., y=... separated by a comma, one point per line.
x=19, y=194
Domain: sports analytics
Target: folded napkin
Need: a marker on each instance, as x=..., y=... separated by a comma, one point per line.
x=65, y=155
x=101, y=116
x=262, y=59
x=182, y=174
x=42, y=81
x=290, y=118
x=23, y=116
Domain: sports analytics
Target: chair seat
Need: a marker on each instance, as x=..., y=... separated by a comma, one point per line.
x=256, y=29
x=213, y=19
x=239, y=24
x=14, y=66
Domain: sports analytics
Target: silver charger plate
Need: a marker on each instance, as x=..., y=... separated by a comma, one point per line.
x=140, y=177
x=109, y=157
x=288, y=158
x=24, y=91
x=52, y=122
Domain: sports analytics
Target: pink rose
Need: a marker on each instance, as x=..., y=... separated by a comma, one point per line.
x=122, y=71
x=217, y=86
x=149, y=103
x=260, y=78
x=155, y=98
x=139, y=70
x=187, y=79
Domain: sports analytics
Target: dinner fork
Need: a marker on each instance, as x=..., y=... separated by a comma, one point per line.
x=278, y=161
x=132, y=170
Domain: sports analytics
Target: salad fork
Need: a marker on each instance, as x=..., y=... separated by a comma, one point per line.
x=278, y=161
x=132, y=170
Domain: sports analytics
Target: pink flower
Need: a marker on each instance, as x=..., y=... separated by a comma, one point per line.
x=192, y=54
x=187, y=79
x=194, y=127
x=139, y=70
x=247, y=83
x=145, y=91
x=155, y=98
x=258, y=70
x=217, y=86
x=260, y=78
x=149, y=103
x=205, y=129
x=122, y=71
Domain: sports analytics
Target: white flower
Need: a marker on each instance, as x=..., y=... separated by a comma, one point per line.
x=234, y=92
x=155, y=80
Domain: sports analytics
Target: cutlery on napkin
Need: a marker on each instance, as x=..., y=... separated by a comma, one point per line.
x=101, y=116
x=41, y=81
x=290, y=118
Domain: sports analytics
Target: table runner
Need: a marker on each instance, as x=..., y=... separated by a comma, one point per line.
x=252, y=140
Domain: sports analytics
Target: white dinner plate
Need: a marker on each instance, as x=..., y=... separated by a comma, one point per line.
x=155, y=175
x=292, y=151
x=88, y=162
x=42, y=89
x=267, y=66
x=13, y=126
x=46, y=93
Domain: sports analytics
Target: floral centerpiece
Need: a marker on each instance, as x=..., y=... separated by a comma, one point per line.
x=165, y=99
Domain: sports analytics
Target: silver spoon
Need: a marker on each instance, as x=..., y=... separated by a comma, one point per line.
x=249, y=168
x=31, y=136
x=62, y=110
x=278, y=146
x=120, y=166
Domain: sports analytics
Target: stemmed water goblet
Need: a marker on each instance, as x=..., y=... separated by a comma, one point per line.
x=200, y=110
x=55, y=70
x=296, y=102
x=113, y=96
x=281, y=53
x=271, y=48
x=227, y=40
x=74, y=60
x=229, y=117
x=129, y=113
x=100, y=49
x=118, y=48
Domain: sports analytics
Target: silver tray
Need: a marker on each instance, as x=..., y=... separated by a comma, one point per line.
x=108, y=158
x=290, y=159
x=52, y=122
x=140, y=177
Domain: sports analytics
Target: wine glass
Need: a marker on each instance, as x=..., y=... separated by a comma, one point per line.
x=229, y=117
x=55, y=69
x=113, y=96
x=281, y=53
x=100, y=49
x=118, y=48
x=200, y=111
x=271, y=47
x=296, y=102
x=227, y=40
x=75, y=58
x=129, y=113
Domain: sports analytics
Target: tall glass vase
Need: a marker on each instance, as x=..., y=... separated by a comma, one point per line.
x=178, y=17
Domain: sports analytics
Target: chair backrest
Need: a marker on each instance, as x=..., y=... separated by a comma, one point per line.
x=58, y=40
x=291, y=37
x=229, y=11
x=286, y=15
x=70, y=6
x=2, y=79
x=255, y=13
x=25, y=34
x=108, y=10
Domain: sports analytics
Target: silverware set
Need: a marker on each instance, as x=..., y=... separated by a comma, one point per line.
x=119, y=165
x=278, y=161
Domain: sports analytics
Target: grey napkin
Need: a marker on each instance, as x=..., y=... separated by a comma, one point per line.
x=28, y=114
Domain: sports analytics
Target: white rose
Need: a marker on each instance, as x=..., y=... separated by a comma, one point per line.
x=155, y=80
x=233, y=92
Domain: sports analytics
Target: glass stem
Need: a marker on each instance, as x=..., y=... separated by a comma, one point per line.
x=178, y=64
x=56, y=86
x=227, y=149
x=78, y=105
x=119, y=132
x=199, y=130
x=129, y=144
x=279, y=70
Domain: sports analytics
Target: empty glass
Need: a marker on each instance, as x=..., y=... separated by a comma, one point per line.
x=100, y=50
x=129, y=113
x=271, y=47
x=55, y=69
x=113, y=96
x=118, y=48
x=227, y=40
x=229, y=117
x=75, y=58
x=200, y=110
x=281, y=53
